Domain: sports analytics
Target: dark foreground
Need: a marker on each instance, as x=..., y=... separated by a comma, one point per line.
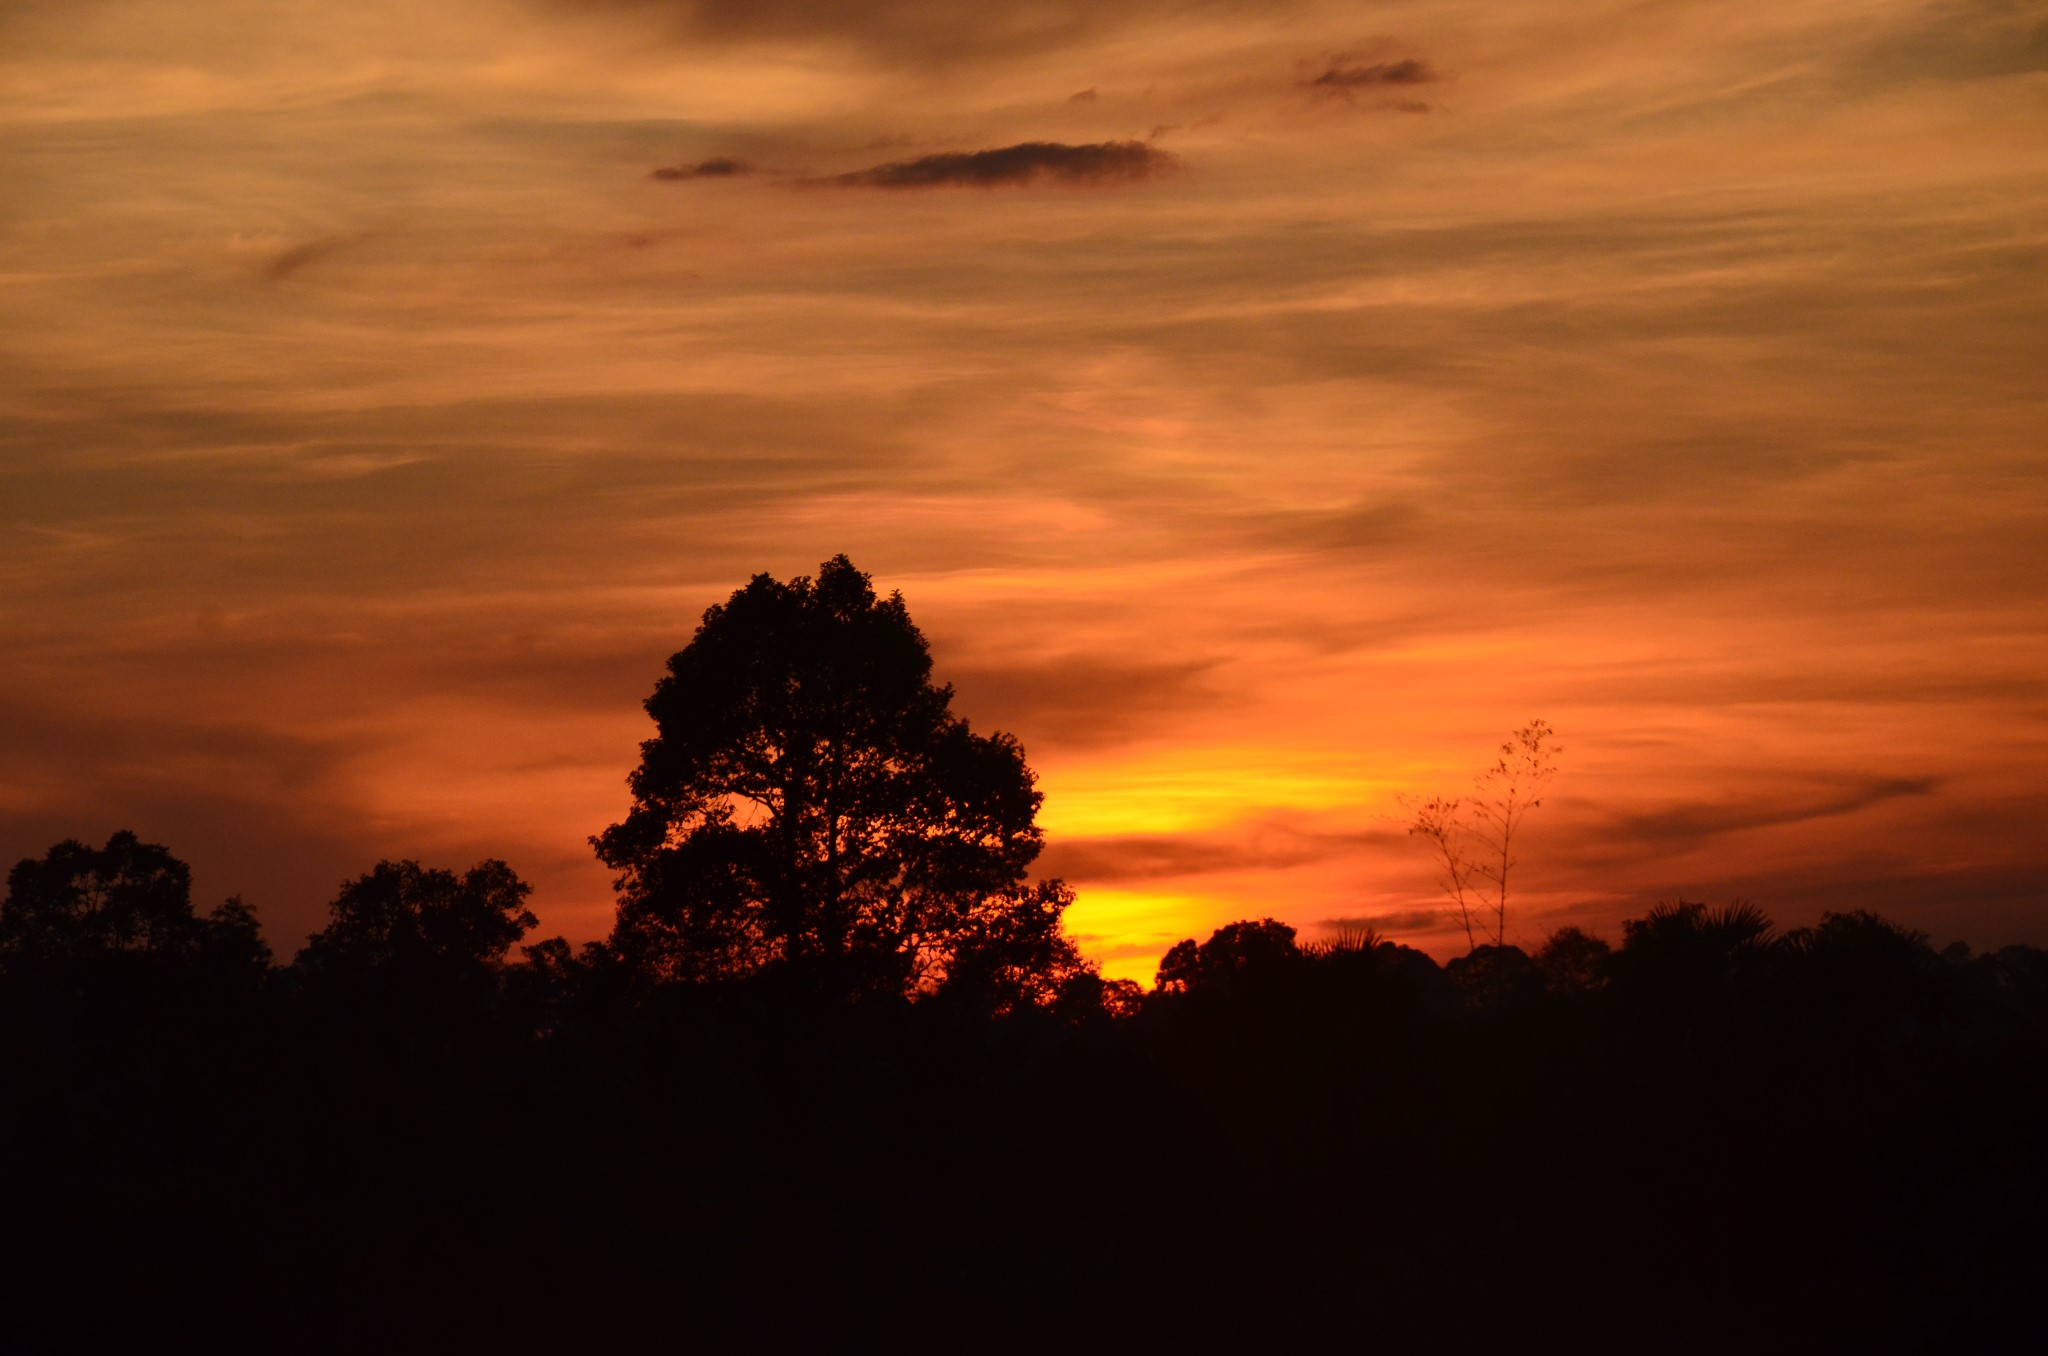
x=1695, y=1144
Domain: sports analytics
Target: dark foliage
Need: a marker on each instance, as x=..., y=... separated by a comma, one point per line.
x=409, y=925
x=1716, y=1138
x=810, y=804
x=107, y=926
x=1238, y=958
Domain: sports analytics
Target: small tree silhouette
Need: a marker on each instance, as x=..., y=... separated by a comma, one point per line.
x=1441, y=823
x=1507, y=791
x=1473, y=838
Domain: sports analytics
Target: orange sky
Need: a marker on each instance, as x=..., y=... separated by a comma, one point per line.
x=374, y=421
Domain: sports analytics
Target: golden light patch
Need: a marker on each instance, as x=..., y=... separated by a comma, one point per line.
x=1189, y=790
x=1127, y=931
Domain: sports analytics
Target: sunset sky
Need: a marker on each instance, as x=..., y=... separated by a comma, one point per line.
x=1303, y=397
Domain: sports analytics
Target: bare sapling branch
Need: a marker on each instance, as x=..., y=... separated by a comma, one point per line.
x=1442, y=824
x=1505, y=794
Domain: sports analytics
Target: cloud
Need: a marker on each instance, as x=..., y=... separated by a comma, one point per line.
x=1962, y=40
x=1144, y=857
x=1103, y=860
x=1691, y=824
x=1023, y=163
x=1343, y=79
x=927, y=32
x=1400, y=920
x=1080, y=700
x=283, y=265
x=717, y=167
x=1364, y=527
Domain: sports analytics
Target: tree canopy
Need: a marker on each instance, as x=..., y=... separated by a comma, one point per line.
x=409, y=923
x=811, y=803
x=80, y=910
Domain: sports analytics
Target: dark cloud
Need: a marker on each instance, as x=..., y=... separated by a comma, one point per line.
x=283, y=265
x=1962, y=40
x=1339, y=78
x=1144, y=858
x=717, y=167
x=1103, y=949
x=1686, y=825
x=1399, y=920
x=1140, y=857
x=925, y=32
x=1358, y=527
x=1079, y=700
x=1027, y=161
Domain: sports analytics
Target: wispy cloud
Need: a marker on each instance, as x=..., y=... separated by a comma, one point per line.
x=302, y=256
x=1023, y=163
x=1340, y=78
x=1258, y=846
x=1083, y=700
x=1393, y=921
x=717, y=167
x=921, y=32
x=1692, y=824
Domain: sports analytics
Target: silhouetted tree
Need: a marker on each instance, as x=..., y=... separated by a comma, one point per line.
x=810, y=802
x=1473, y=838
x=2010, y=983
x=1691, y=942
x=1573, y=961
x=1018, y=958
x=1496, y=979
x=404, y=926
x=79, y=911
x=1441, y=822
x=1858, y=972
x=1506, y=793
x=1688, y=964
x=1238, y=958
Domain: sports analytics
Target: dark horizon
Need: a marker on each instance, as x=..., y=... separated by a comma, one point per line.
x=1712, y=1134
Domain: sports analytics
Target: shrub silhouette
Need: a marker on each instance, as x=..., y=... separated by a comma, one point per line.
x=1573, y=961
x=1496, y=978
x=1690, y=947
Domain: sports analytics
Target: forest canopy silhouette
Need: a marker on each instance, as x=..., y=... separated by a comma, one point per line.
x=837, y=1079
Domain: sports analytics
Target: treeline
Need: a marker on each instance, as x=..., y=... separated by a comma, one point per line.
x=1708, y=1136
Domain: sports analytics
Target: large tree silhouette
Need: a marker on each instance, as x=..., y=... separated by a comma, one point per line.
x=810, y=803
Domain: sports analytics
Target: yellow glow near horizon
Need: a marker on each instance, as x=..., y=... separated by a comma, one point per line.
x=1189, y=790
x=1127, y=930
